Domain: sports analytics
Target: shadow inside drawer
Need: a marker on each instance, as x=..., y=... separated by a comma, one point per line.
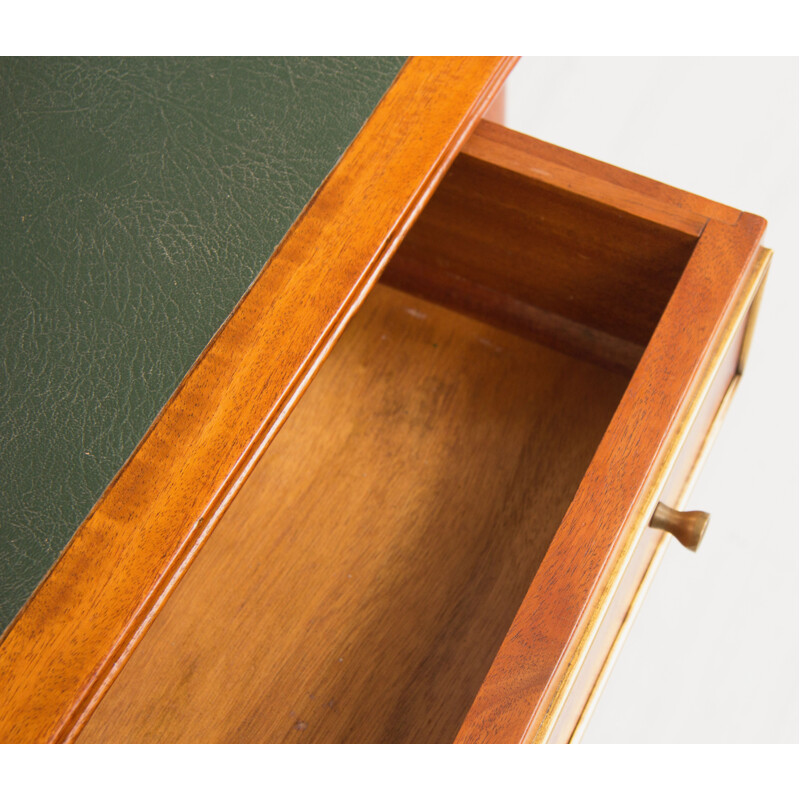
x=359, y=586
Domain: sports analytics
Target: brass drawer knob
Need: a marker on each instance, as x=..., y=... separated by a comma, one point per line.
x=688, y=527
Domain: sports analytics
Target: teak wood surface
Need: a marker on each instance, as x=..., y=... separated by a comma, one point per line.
x=68, y=643
x=360, y=584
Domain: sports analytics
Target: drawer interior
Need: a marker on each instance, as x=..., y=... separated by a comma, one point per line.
x=360, y=584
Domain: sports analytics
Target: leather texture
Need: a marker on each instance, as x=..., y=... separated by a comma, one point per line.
x=139, y=198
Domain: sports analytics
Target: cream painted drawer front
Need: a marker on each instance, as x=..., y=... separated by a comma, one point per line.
x=642, y=553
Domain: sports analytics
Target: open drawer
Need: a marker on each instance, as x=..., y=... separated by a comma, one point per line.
x=446, y=536
x=449, y=532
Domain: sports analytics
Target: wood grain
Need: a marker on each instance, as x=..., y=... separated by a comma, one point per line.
x=360, y=584
x=620, y=188
x=572, y=245
x=521, y=695
x=66, y=646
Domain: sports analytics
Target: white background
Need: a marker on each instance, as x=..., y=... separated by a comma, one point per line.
x=713, y=654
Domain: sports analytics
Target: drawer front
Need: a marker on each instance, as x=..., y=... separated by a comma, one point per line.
x=585, y=592
x=636, y=565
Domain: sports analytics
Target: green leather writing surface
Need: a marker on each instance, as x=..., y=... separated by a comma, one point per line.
x=139, y=198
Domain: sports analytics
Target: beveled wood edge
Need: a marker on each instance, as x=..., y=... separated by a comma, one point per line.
x=764, y=257
x=530, y=678
x=54, y=663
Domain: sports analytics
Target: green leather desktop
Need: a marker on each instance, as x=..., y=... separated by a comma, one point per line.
x=139, y=199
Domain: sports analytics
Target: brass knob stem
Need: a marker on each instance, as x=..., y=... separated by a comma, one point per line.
x=688, y=527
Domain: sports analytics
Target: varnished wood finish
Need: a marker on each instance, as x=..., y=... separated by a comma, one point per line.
x=619, y=188
x=71, y=639
x=578, y=247
x=577, y=255
x=360, y=584
x=530, y=679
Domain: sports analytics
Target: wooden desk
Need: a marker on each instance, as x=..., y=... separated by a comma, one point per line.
x=446, y=536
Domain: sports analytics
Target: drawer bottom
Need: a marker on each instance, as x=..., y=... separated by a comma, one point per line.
x=362, y=581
